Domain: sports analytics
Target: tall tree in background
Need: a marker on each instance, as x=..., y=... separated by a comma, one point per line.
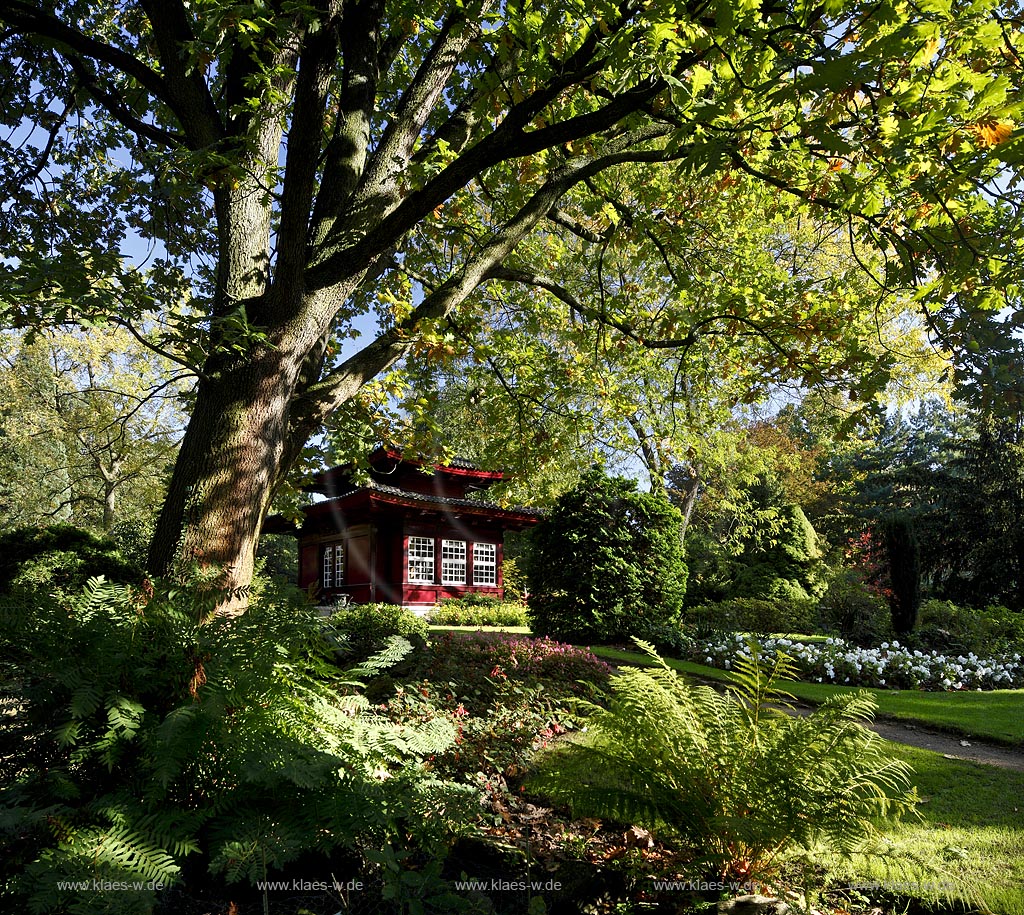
x=291, y=161
x=543, y=393
x=981, y=494
x=91, y=424
x=903, y=554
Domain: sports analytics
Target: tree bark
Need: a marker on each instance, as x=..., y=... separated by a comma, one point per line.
x=228, y=469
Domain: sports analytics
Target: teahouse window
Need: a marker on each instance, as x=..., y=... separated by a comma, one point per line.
x=333, y=565
x=485, y=564
x=421, y=560
x=453, y=562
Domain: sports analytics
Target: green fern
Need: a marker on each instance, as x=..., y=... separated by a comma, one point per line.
x=733, y=775
x=154, y=736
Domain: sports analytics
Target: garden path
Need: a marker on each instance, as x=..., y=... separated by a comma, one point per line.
x=950, y=746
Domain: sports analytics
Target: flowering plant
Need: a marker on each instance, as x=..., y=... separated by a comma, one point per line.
x=891, y=665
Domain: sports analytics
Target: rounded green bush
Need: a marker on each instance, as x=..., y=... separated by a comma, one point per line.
x=606, y=563
x=366, y=628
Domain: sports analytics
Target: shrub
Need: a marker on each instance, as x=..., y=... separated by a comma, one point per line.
x=668, y=639
x=362, y=630
x=513, y=578
x=132, y=538
x=729, y=774
x=145, y=738
x=851, y=609
x=944, y=626
x=489, y=612
x=606, y=562
x=748, y=614
x=61, y=558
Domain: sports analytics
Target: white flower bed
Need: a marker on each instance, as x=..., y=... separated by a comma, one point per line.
x=891, y=666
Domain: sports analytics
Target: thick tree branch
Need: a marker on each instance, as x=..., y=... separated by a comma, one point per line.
x=346, y=152
x=422, y=95
x=344, y=382
x=187, y=91
x=560, y=218
x=506, y=142
x=318, y=61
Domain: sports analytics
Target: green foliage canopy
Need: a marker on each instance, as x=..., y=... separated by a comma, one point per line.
x=298, y=166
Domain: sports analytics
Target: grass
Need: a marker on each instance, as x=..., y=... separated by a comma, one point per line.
x=996, y=715
x=970, y=836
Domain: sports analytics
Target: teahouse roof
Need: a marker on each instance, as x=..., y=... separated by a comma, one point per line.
x=373, y=496
x=334, y=480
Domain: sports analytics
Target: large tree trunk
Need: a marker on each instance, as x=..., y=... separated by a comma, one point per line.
x=230, y=465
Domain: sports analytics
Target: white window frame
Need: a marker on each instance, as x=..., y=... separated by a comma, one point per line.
x=332, y=565
x=485, y=564
x=453, y=562
x=420, y=558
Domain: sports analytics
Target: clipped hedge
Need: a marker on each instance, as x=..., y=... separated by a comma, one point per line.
x=477, y=612
x=749, y=614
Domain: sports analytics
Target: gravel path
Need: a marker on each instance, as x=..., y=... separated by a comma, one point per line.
x=950, y=746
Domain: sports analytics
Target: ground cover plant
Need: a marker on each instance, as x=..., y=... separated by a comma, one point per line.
x=499, y=698
x=732, y=777
x=481, y=661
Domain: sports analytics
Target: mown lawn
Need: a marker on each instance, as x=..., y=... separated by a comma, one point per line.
x=996, y=715
x=970, y=836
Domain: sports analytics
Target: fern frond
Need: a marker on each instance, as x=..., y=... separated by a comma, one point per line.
x=395, y=650
x=729, y=773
